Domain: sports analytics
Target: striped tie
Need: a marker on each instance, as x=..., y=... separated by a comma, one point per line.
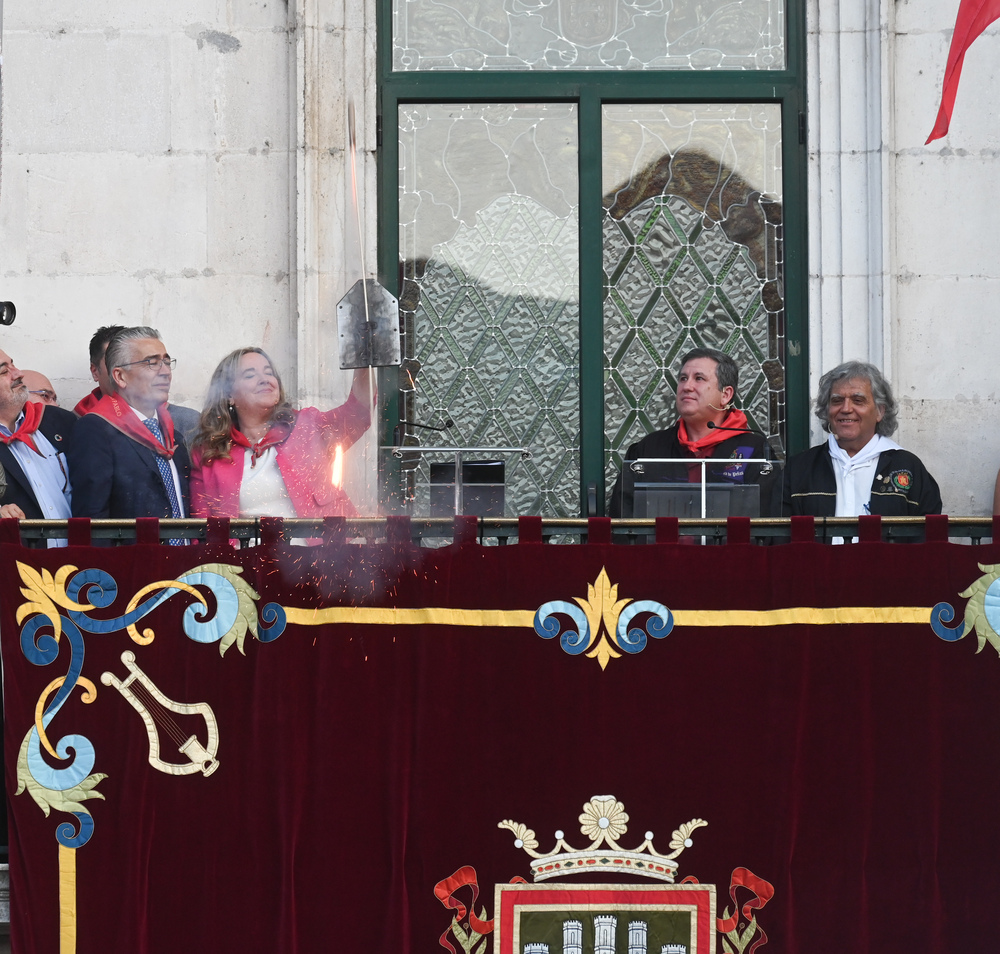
x=166, y=476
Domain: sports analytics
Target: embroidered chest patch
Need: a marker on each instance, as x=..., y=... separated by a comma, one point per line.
x=736, y=472
x=902, y=480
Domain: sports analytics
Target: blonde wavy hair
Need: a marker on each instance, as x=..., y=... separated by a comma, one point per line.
x=213, y=438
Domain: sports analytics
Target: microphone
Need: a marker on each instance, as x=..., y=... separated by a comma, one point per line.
x=427, y=427
x=398, y=433
x=712, y=426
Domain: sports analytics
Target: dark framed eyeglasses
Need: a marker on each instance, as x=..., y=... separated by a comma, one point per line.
x=153, y=364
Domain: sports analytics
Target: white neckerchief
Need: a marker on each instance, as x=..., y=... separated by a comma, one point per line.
x=855, y=474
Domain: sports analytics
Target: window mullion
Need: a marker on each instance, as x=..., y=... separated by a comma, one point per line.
x=591, y=300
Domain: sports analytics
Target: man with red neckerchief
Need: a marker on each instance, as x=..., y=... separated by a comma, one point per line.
x=98, y=370
x=185, y=418
x=124, y=457
x=708, y=427
x=33, y=442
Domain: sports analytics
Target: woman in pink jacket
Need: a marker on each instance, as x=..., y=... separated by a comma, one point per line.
x=255, y=455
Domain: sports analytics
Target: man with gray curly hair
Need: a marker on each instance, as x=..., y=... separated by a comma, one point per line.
x=858, y=470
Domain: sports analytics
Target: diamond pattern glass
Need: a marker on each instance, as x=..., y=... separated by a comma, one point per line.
x=490, y=294
x=588, y=35
x=692, y=258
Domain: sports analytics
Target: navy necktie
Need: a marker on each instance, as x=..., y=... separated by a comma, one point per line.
x=166, y=476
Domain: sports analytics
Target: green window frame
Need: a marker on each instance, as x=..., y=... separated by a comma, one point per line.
x=591, y=90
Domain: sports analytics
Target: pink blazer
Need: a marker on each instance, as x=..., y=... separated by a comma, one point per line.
x=304, y=459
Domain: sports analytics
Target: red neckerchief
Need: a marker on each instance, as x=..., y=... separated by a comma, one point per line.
x=119, y=414
x=278, y=434
x=715, y=436
x=29, y=424
x=704, y=447
x=87, y=404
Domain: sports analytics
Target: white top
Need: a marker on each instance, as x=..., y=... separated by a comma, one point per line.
x=263, y=492
x=855, y=474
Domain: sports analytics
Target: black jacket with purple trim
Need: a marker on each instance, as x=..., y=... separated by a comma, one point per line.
x=727, y=470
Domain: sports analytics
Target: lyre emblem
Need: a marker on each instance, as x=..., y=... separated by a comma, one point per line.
x=155, y=709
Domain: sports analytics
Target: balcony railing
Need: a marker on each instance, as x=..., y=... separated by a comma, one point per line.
x=435, y=531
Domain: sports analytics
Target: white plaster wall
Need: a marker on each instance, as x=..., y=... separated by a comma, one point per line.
x=848, y=204
x=334, y=68
x=183, y=164
x=147, y=163
x=946, y=256
x=904, y=265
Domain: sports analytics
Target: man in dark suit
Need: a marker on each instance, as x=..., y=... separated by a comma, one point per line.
x=124, y=458
x=185, y=419
x=33, y=442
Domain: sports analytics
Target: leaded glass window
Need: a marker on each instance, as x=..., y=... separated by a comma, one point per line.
x=692, y=258
x=577, y=192
x=588, y=35
x=489, y=232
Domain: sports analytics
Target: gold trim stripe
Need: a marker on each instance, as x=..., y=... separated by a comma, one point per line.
x=401, y=616
x=810, y=615
x=443, y=616
x=67, y=900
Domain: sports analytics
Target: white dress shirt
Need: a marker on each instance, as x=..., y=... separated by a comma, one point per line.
x=47, y=474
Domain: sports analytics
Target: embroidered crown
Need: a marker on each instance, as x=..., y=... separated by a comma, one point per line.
x=604, y=820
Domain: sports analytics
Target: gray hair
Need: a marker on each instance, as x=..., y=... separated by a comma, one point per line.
x=727, y=373
x=881, y=392
x=119, y=351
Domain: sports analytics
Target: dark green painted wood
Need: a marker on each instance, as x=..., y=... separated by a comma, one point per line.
x=591, y=89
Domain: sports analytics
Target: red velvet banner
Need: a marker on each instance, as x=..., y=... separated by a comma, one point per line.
x=343, y=748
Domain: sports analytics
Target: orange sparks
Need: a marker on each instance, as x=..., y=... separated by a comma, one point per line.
x=337, y=475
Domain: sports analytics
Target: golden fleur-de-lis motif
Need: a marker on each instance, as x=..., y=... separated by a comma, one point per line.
x=602, y=608
x=44, y=592
x=603, y=626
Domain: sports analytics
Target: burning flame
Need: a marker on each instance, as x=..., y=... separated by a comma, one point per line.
x=337, y=475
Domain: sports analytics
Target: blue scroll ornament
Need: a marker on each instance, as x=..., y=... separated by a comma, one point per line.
x=659, y=624
x=941, y=615
x=63, y=788
x=272, y=622
x=235, y=606
x=547, y=625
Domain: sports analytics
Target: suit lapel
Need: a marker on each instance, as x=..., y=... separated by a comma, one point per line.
x=147, y=457
x=13, y=469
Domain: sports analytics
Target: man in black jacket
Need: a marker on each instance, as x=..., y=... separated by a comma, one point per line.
x=858, y=470
x=33, y=442
x=709, y=428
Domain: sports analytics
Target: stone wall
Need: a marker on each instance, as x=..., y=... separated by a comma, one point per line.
x=184, y=164
x=946, y=255
x=903, y=243
x=148, y=161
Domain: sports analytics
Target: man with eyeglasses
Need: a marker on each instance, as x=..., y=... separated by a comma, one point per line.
x=40, y=388
x=125, y=458
x=185, y=418
x=33, y=442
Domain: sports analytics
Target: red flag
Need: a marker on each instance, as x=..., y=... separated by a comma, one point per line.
x=974, y=16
